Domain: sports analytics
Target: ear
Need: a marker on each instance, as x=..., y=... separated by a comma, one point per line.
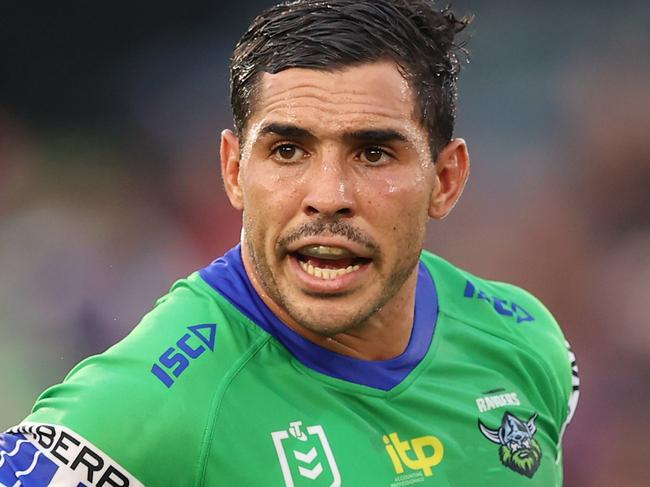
x=230, y=159
x=452, y=171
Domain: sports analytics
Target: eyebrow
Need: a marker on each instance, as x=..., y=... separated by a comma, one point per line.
x=287, y=130
x=375, y=136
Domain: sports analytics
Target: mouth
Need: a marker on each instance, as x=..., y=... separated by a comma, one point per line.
x=329, y=263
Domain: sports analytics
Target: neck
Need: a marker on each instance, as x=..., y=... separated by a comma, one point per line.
x=383, y=336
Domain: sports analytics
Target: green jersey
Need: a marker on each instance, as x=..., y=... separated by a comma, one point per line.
x=212, y=389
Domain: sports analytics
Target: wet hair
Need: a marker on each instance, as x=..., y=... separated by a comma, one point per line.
x=336, y=34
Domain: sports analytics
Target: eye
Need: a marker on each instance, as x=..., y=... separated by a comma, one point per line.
x=288, y=153
x=374, y=156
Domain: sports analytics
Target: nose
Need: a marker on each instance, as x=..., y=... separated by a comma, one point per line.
x=329, y=189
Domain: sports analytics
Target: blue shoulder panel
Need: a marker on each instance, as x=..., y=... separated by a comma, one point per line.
x=228, y=277
x=21, y=463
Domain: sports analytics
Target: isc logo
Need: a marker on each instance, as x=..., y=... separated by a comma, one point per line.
x=398, y=453
x=189, y=347
x=501, y=306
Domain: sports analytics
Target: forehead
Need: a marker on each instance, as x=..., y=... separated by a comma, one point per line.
x=374, y=94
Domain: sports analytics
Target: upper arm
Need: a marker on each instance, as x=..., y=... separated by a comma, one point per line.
x=137, y=411
x=42, y=454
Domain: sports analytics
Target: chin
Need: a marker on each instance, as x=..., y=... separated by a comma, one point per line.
x=324, y=321
x=327, y=329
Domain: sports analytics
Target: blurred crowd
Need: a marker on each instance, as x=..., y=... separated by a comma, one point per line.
x=98, y=218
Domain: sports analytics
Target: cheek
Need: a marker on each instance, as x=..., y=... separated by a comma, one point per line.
x=269, y=203
x=400, y=213
x=270, y=185
x=397, y=202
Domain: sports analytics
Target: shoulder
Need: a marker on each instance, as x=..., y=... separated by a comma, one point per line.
x=152, y=393
x=189, y=329
x=502, y=309
x=509, y=320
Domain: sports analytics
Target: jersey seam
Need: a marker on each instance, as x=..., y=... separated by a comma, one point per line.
x=215, y=406
x=551, y=376
x=248, y=324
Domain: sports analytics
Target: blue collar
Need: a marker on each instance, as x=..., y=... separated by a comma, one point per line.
x=228, y=277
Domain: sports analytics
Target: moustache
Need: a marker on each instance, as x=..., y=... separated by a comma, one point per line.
x=329, y=228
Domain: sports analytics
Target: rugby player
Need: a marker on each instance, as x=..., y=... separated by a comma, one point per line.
x=327, y=348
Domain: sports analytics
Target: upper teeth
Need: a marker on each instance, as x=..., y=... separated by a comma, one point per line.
x=327, y=274
x=324, y=251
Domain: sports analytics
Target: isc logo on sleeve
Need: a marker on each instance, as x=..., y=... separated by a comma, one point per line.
x=175, y=360
x=501, y=306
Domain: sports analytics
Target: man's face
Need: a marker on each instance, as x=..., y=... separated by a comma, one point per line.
x=335, y=181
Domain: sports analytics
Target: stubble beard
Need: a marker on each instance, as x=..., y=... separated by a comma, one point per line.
x=334, y=325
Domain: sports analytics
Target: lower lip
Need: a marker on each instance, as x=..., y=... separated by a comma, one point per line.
x=328, y=286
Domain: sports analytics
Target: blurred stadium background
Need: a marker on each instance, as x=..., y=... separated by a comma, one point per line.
x=110, y=190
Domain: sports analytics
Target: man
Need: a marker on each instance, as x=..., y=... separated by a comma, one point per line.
x=327, y=349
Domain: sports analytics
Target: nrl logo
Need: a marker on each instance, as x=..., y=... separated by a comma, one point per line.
x=519, y=451
x=305, y=456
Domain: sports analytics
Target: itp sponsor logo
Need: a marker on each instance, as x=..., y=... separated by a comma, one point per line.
x=418, y=454
x=305, y=456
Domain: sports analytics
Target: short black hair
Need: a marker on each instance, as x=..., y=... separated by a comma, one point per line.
x=335, y=34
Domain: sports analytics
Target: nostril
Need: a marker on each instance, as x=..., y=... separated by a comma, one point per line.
x=344, y=212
